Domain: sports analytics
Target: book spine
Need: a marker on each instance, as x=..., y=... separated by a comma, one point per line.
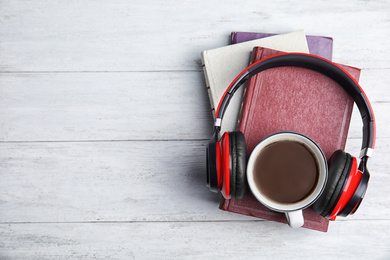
x=243, y=119
x=206, y=77
x=244, y=95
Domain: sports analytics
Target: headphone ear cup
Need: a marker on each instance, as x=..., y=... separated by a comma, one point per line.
x=211, y=164
x=340, y=164
x=237, y=147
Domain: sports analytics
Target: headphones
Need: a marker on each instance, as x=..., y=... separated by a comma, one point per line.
x=347, y=182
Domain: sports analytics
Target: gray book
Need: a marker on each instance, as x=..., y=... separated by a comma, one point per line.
x=222, y=65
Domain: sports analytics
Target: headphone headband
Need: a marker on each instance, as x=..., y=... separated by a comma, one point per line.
x=316, y=63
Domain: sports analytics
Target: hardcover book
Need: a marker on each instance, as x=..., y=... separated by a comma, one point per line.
x=222, y=65
x=292, y=99
x=318, y=45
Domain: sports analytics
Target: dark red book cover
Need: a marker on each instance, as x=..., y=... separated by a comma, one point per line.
x=293, y=99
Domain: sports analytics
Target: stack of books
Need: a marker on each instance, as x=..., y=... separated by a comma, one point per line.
x=279, y=99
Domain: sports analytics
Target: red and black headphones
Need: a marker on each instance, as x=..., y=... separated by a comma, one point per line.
x=347, y=183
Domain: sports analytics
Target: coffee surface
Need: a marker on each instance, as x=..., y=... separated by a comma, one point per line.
x=285, y=172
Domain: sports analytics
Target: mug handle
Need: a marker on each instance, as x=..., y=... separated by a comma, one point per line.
x=295, y=218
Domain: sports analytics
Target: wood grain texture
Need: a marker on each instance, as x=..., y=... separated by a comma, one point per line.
x=189, y=240
x=104, y=106
x=104, y=117
x=154, y=35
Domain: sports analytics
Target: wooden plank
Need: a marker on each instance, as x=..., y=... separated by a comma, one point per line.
x=130, y=106
x=154, y=35
x=104, y=106
x=189, y=240
x=131, y=181
x=113, y=181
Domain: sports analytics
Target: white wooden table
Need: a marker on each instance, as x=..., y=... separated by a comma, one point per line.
x=104, y=118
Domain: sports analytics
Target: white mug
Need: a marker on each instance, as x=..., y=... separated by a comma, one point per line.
x=293, y=211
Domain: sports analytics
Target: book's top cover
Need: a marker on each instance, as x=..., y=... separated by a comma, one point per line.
x=293, y=99
x=318, y=45
x=222, y=65
x=297, y=99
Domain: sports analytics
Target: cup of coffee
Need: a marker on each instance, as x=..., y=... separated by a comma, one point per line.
x=287, y=172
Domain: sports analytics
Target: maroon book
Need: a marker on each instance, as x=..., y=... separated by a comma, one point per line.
x=292, y=99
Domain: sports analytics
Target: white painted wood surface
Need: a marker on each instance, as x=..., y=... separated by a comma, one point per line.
x=104, y=119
